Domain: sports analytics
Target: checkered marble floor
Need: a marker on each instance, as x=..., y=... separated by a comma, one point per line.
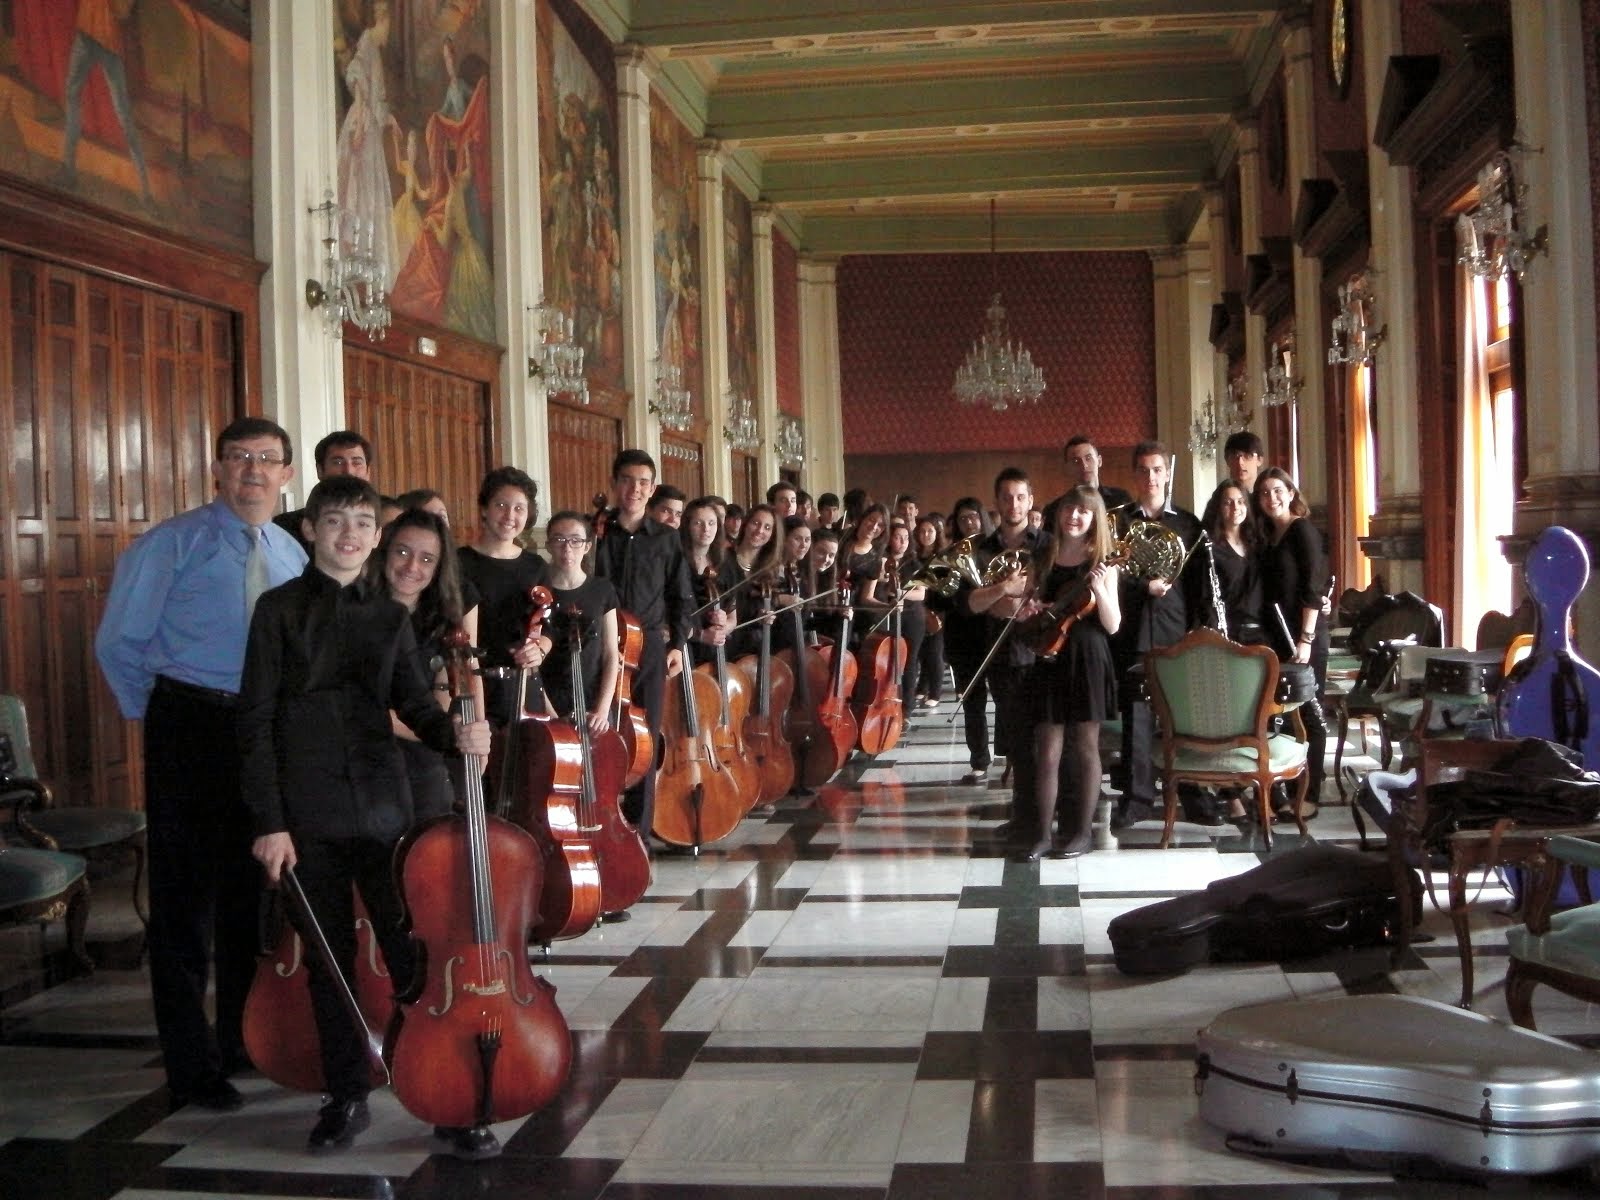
x=857, y=997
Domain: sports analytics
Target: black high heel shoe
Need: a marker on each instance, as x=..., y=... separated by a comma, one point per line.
x=1308, y=813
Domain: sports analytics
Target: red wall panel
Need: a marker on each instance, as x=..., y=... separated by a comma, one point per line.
x=786, y=317
x=907, y=321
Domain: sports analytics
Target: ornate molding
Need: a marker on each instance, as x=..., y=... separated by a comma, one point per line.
x=1227, y=325
x=1332, y=221
x=1269, y=280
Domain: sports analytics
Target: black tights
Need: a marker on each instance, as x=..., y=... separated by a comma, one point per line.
x=1079, y=743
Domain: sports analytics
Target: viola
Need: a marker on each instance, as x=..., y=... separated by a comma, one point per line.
x=733, y=708
x=764, y=732
x=479, y=1038
x=697, y=800
x=280, y=1033
x=541, y=784
x=879, y=713
x=603, y=768
x=837, y=728
x=1046, y=632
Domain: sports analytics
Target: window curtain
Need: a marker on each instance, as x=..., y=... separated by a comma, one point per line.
x=1487, y=490
x=1363, y=466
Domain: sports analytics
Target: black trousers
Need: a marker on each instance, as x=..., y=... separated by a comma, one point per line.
x=1013, y=736
x=914, y=628
x=204, y=886
x=931, y=680
x=975, y=711
x=327, y=870
x=638, y=803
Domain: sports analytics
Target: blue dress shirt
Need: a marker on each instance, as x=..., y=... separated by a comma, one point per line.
x=177, y=603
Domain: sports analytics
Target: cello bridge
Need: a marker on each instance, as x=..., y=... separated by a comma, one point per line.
x=496, y=988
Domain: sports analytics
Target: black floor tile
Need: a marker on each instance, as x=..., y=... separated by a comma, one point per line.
x=966, y=962
x=512, y=1176
x=633, y=1054
x=33, y=1167
x=1007, y=1055
x=997, y=1181
x=707, y=1191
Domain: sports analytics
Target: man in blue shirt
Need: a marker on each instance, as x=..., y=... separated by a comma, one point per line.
x=171, y=646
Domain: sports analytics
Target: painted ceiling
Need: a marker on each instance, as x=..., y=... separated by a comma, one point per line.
x=887, y=127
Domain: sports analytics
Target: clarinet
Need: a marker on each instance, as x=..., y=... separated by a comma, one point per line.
x=1218, y=607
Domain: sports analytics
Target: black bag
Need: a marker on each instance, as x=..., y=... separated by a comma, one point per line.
x=1539, y=784
x=1300, y=903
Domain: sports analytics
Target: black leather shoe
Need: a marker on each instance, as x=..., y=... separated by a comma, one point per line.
x=215, y=1094
x=472, y=1144
x=616, y=916
x=337, y=1125
x=1131, y=812
x=1034, y=854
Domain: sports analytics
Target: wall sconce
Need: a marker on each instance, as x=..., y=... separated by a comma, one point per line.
x=1217, y=421
x=1352, y=340
x=742, y=431
x=1494, y=242
x=1281, y=385
x=790, y=442
x=353, y=287
x=674, y=403
x=555, y=357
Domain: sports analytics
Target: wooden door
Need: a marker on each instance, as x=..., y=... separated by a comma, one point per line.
x=429, y=428
x=584, y=441
x=116, y=394
x=746, y=490
x=682, y=465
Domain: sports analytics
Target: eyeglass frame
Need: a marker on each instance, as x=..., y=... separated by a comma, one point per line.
x=235, y=457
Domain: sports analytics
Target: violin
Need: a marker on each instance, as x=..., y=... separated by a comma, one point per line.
x=879, y=714
x=727, y=733
x=838, y=731
x=280, y=1033
x=479, y=1038
x=603, y=758
x=765, y=734
x=697, y=800
x=541, y=784
x=1046, y=631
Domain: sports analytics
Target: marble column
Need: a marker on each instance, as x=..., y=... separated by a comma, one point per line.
x=819, y=375
x=1394, y=542
x=1558, y=290
x=765, y=401
x=713, y=381
x=641, y=430
x=519, y=275
x=295, y=165
x=1310, y=325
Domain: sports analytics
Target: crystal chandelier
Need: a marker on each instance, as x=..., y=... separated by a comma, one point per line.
x=1494, y=244
x=674, y=404
x=555, y=357
x=742, y=431
x=1281, y=386
x=790, y=442
x=353, y=287
x=1352, y=340
x=996, y=372
x=1217, y=421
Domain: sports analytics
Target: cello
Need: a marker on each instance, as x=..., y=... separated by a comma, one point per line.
x=764, y=732
x=697, y=801
x=811, y=674
x=880, y=715
x=837, y=731
x=479, y=1038
x=627, y=718
x=727, y=732
x=540, y=787
x=603, y=766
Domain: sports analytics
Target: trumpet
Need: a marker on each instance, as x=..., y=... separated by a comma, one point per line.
x=946, y=571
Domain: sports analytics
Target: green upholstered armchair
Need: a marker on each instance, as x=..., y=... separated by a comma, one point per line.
x=90, y=832
x=1561, y=950
x=1213, y=700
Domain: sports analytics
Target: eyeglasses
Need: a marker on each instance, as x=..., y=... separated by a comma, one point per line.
x=243, y=458
x=568, y=540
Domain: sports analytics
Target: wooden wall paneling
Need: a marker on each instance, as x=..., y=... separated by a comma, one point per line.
x=583, y=443
x=939, y=480
x=746, y=485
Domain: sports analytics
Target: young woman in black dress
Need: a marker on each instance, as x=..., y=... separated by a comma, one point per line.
x=1076, y=689
x=416, y=565
x=913, y=608
x=702, y=536
x=1229, y=521
x=568, y=537
x=927, y=539
x=1294, y=578
x=861, y=553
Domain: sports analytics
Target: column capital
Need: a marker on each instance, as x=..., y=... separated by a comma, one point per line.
x=763, y=214
x=634, y=70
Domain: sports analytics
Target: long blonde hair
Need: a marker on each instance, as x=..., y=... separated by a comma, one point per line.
x=1099, y=539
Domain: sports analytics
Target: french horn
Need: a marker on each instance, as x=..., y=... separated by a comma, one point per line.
x=1149, y=550
x=946, y=571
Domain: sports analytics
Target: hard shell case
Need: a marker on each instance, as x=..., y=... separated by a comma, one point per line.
x=1401, y=1077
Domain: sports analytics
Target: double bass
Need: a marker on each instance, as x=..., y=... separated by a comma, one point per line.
x=764, y=732
x=540, y=784
x=479, y=1038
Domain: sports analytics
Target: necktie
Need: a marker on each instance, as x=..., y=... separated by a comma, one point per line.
x=255, y=572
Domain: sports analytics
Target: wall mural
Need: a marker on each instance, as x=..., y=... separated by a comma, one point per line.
x=677, y=246
x=138, y=106
x=414, y=171
x=738, y=248
x=579, y=187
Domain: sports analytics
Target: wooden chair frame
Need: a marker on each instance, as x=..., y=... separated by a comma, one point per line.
x=1556, y=854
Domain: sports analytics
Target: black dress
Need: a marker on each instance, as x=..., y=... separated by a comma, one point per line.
x=1079, y=683
x=593, y=599
x=433, y=789
x=1239, y=576
x=502, y=585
